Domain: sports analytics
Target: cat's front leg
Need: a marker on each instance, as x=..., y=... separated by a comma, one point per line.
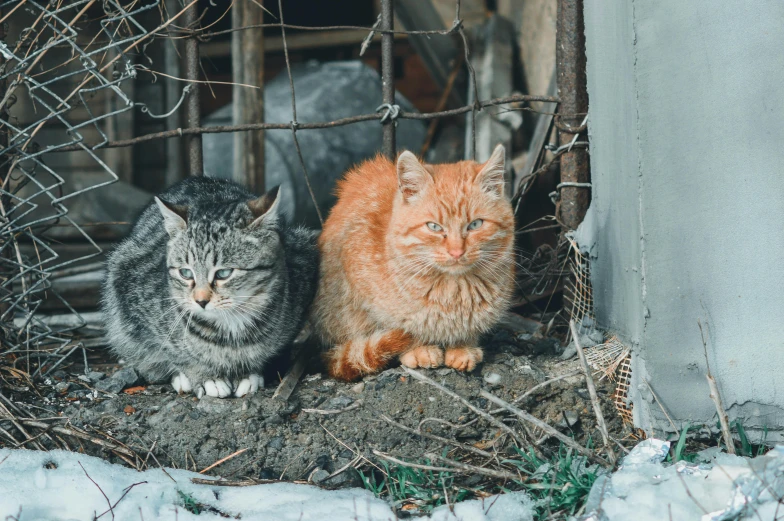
x=248, y=385
x=181, y=383
x=423, y=356
x=463, y=358
x=215, y=387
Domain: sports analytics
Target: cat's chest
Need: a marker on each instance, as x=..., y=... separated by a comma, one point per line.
x=448, y=310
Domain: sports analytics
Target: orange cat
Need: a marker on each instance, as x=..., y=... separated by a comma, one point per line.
x=417, y=261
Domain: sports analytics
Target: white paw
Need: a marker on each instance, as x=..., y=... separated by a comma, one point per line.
x=217, y=388
x=249, y=385
x=181, y=383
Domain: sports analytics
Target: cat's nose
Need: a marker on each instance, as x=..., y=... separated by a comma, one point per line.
x=456, y=252
x=203, y=303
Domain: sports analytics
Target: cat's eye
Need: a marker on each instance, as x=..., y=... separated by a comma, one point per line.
x=475, y=224
x=435, y=227
x=186, y=273
x=223, y=274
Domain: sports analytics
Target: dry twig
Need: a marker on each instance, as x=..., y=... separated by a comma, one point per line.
x=447, y=441
x=495, y=421
x=499, y=474
x=716, y=397
x=222, y=460
x=597, y=408
x=536, y=422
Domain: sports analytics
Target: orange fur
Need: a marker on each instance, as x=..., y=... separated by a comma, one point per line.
x=393, y=287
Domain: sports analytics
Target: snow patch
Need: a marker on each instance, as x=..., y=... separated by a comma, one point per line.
x=58, y=486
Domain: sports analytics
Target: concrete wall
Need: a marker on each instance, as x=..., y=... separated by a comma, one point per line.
x=687, y=218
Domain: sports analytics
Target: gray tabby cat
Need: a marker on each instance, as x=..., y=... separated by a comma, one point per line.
x=208, y=286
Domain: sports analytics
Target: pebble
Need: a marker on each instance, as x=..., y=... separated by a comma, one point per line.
x=493, y=378
x=276, y=443
x=94, y=376
x=339, y=402
x=118, y=381
x=445, y=371
x=318, y=475
x=358, y=388
x=568, y=420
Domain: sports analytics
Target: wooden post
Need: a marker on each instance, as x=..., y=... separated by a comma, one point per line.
x=247, y=64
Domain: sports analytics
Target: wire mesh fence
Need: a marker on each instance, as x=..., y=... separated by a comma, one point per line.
x=67, y=72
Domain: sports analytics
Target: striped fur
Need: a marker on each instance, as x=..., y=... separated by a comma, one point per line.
x=153, y=319
x=392, y=286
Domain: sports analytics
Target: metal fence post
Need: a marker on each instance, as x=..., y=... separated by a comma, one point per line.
x=388, y=74
x=573, y=93
x=247, y=67
x=192, y=65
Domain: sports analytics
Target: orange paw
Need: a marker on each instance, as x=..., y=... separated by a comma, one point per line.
x=463, y=358
x=423, y=356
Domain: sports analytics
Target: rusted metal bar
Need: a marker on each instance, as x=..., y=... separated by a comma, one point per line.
x=573, y=93
x=192, y=65
x=388, y=74
x=5, y=159
x=247, y=63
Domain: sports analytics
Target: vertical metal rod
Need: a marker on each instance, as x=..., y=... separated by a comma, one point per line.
x=193, y=142
x=5, y=159
x=388, y=74
x=175, y=167
x=247, y=67
x=573, y=92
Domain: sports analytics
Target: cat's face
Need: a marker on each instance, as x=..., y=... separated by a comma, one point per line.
x=222, y=258
x=453, y=217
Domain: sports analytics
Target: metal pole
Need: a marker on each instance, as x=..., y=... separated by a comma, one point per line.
x=247, y=64
x=388, y=74
x=193, y=142
x=573, y=93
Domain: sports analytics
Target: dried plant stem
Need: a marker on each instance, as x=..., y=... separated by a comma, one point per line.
x=495, y=421
x=597, y=407
x=536, y=422
x=222, y=460
x=446, y=441
x=411, y=465
x=499, y=474
x=535, y=388
x=724, y=420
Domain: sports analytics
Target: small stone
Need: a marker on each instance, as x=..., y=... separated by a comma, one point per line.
x=318, y=476
x=214, y=405
x=358, y=388
x=568, y=420
x=94, y=376
x=303, y=440
x=339, y=402
x=569, y=352
x=276, y=443
x=493, y=378
x=583, y=393
x=118, y=381
x=194, y=415
x=63, y=387
x=444, y=371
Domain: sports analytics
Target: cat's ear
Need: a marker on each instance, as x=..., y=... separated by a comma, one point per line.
x=174, y=216
x=491, y=177
x=412, y=176
x=265, y=207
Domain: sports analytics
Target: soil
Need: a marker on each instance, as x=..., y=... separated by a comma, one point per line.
x=285, y=441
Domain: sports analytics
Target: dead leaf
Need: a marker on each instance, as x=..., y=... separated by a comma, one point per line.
x=129, y=409
x=409, y=506
x=135, y=390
